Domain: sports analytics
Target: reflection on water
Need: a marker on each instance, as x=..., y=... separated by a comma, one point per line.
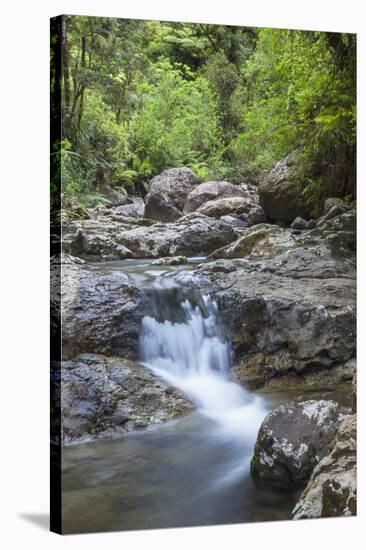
x=177, y=474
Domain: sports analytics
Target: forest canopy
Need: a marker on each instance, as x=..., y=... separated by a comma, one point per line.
x=142, y=96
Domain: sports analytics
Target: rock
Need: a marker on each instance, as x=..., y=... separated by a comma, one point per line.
x=101, y=312
x=234, y=222
x=298, y=305
x=190, y=236
x=210, y=191
x=311, y=224
x=334, y=201
x=115, y=197
x=299, y=223
x=337, y=232
x=313, y=321
x=255, y=215
x=168, y=192
x=200, y=236
x=331, y=213
x=260, y=240
x=332, y=488
x=354, y=392
x=276, y=371
x=133, y=210
x=94, y=239
x=106, y=396
x=173, y=260
x=280, y=190
x=108, y=239
x=293, y=439
x=249, y=212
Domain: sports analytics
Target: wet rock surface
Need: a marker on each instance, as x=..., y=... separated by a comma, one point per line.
x=106, y=396
x=294, y=438
x=332, y=488
x=101, y=312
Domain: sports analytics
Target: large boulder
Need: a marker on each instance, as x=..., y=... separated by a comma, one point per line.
x=211, y=191
x=280, y=190
x=332, y=488
x=105, y=396
x=101, y=312
x=168, y=192
x=248, y=211
x=293, y=439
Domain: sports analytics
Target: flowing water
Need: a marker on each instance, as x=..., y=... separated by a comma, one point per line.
x=192, y=471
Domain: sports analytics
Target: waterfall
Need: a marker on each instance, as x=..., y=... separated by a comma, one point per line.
x=181, y=341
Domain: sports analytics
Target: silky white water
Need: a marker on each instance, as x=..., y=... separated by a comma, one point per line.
x=193, y=470
x=192, y=354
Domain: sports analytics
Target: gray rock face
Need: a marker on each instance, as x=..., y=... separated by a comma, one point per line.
x=338, y=232
x=101, y=312
x=105, y=396
x=293, y=439
x=106, y=238
x=276, y=370
x=94, y=239
x=288, y=301
x=168, y=193
x=280, y=191
x=332, y=488
x=212, y=191
x=310, y=321
x=200, y=236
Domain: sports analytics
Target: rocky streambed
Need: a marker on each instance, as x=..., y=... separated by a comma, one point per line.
x=286, y=306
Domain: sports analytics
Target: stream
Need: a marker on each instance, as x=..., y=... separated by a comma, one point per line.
x=187, y=472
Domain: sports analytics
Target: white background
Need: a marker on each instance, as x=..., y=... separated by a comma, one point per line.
x=24, y=394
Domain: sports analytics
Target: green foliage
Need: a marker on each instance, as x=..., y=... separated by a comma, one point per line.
x=296, y=96
x=176, y=122
x=139, y=97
